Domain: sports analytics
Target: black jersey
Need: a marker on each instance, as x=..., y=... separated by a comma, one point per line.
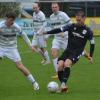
x=78, y=36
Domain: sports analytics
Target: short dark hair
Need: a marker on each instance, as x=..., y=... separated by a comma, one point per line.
x=55, y=3
x=38, y=3
x=81, y=13
x=11, y=15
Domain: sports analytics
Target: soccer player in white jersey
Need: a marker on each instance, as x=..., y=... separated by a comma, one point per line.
x=8, y=45
x=58, y=19
x=39, y=42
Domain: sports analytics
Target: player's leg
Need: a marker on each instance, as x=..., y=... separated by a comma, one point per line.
x=27, y=73
x=42, y=45
x=67, y=66
x=55, y=53
x=63, y=64
x=64, y=73
x=35, y=48
x=34, y=44
x=13, y=54
x=46, y=55
x=60, y=70
x=56, y=46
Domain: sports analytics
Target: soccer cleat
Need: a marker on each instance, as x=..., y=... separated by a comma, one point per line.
x=35, y=86
x=46, y=62
x=63, y=88
x=55, y=77
x=43, y=61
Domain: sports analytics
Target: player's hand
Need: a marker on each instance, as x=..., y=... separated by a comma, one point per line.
x=40, y=34
x=40, y=31
x=90, y=59
x=87, y=55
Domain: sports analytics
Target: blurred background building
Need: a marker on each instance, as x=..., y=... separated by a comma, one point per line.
x=23, y=8
x=91, y=7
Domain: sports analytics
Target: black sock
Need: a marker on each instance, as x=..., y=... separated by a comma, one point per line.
x=66, y=74
x=60, y=76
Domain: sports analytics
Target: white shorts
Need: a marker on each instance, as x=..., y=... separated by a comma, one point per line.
x=11, y=53
x=59, y=43
x=39, y=41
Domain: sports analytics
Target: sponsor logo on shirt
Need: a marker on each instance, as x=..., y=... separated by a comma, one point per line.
x=77, y=34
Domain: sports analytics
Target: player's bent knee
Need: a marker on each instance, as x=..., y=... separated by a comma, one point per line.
x=60, y=65
x=19, y=65
x=68, y=63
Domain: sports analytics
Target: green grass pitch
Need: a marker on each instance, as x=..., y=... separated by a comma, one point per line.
x=84, y=82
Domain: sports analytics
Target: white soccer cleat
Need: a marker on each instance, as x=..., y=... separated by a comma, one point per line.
x=63, y=88
x=46, y=62
x=36, y=86
x=43, y=61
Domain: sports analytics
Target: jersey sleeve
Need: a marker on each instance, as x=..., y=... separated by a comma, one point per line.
x=90, y=36
x=90, y=32
x=92, y=42
x=66, y=27
x=66, y=18
x=58, y=30
x=19, y=30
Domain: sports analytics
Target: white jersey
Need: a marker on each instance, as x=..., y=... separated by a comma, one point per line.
x=58, y=20
x=8, y=36
x=38, y=21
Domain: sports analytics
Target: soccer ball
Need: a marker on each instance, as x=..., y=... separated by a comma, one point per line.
x=52, y=86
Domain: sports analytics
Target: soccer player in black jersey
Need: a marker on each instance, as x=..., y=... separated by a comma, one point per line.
x=78, y=35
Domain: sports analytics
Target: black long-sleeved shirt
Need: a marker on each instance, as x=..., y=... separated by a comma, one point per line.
x=77, y=37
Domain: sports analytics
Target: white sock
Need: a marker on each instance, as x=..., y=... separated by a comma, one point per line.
x=46, y=56
x=41, y=53
x=31, y=78
x=55, y=64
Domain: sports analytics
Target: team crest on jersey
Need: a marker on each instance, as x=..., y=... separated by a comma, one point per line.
x=84, y=31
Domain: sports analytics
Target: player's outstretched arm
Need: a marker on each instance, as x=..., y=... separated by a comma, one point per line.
x=59, y=30
x=26, y=39
x=54, y=31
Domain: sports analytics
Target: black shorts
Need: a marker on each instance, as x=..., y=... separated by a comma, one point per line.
x=67, y=54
